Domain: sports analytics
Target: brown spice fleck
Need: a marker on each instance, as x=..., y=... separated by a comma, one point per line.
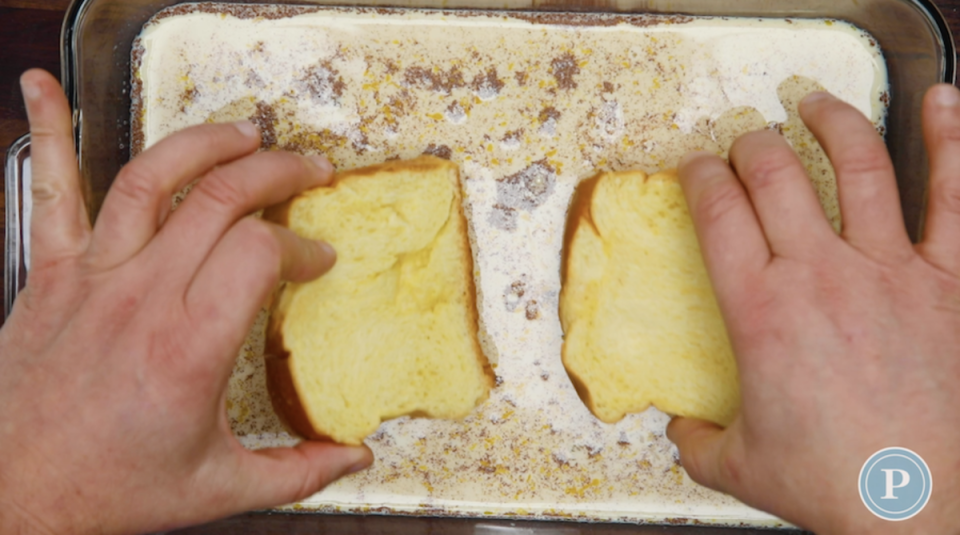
x=564, y=69
x=549, y=113
x=528, y=188
x=441, y=82
x=440, y=151
x=266, y=121
x=187, y=97
x=322, y=142
x=504, y=217
x=488, y=84
x=361, y=144
x=532, y=310
x=513, y=136
x=521, y=77
x=255, y=80
x=323, y=83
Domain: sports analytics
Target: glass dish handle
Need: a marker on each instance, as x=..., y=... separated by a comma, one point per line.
x=16, y=251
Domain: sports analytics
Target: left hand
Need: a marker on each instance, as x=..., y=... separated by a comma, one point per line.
x=115, y=361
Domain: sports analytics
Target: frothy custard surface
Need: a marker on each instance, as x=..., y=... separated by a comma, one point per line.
x=527, y=105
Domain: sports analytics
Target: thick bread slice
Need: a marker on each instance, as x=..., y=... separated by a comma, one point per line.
x=391, y=330
x=640, y=320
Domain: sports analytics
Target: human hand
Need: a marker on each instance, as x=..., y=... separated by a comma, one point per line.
x=116, y=357
x=847, y=344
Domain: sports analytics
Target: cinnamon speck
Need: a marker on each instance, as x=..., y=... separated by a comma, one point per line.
x=564, y=69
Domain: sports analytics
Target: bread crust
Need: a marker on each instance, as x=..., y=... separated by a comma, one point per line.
x=280, y=383
x=580, y=213
x=283, y=393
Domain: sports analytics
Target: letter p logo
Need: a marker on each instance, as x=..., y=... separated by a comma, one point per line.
x=891, y=473
x=895, y=484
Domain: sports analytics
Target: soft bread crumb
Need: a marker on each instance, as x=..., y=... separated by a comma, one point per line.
x=391, y=330
x=640, y=319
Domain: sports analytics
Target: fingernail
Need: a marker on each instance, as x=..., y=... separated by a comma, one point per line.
x=247, y=128
x=363, y=461
x=359, y=467
x=327, y=249
x=946, y=96
x=691, y=156
x=322, y=163
x=813, y=98
x=31, y=91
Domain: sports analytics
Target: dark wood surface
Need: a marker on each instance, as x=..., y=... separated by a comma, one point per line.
x=30, y=37
x=260, y=523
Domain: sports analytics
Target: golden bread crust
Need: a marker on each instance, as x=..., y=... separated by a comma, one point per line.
x=282, y=387
x=580, y=214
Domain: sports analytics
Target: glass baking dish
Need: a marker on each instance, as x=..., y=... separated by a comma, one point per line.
x=98, y=34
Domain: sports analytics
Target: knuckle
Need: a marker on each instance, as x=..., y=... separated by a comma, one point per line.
x=288, y=163
x=42, y=191
x=730, y=471
x=264, y=245
x=310, y=482
x=768, y=169
x=221, y=191
x=950, y=133
x=44, y=132
x=718, y=202
x=53, y=277
x=947, y=195
x=864, y=161
x=136, y=185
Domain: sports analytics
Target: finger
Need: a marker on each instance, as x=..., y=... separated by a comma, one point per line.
x=783, y=197
x=941, y=127
x=59, y=227
x=731, y=240
x=231, y=192
x=866, y=183
x=703, y=453
x=140, y=198
x=244, y=268
x=280, y=476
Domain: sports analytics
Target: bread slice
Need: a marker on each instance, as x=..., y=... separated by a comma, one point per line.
x=391, y=330
x=640, y=320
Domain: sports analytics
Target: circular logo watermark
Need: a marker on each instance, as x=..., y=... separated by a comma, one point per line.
x=895, y=484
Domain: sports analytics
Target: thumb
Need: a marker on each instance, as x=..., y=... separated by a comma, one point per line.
x=278, y=476
x=60, y=227
x=707, y=452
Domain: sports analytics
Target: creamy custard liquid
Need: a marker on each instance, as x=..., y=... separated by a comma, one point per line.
x=527, y=106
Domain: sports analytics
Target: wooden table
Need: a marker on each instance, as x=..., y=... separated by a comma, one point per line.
x=30, y=37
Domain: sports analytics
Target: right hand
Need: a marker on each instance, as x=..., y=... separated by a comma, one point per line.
x=846, y=345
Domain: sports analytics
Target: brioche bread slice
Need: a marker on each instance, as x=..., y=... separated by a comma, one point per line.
x=640, y=321
x=391, y=330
